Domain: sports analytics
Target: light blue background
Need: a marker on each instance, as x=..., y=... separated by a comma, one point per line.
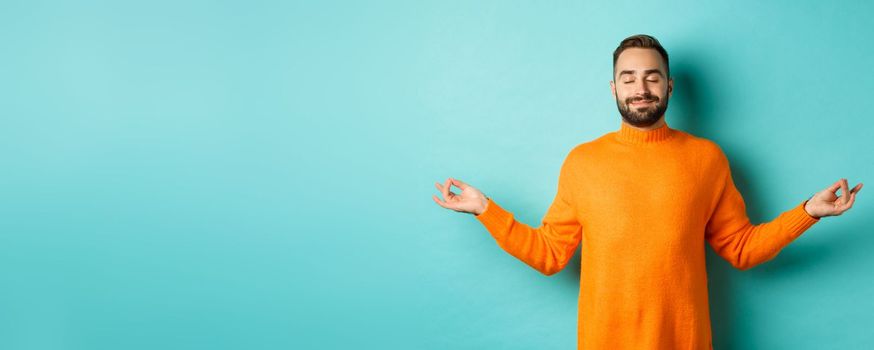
x=257, y=175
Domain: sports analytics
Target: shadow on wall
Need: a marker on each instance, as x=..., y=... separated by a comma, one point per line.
x=692, y=108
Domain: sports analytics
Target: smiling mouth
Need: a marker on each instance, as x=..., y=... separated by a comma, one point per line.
x=643, y=102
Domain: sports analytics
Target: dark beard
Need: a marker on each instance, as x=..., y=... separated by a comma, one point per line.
x=645, y=117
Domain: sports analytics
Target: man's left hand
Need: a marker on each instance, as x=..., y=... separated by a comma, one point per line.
x=827, y=203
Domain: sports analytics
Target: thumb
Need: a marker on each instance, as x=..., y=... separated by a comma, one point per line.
x=834, y=187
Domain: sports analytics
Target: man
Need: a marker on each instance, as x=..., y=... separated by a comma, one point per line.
x=642, y=201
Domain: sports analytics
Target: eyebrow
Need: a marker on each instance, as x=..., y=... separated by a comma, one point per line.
x=646, y=72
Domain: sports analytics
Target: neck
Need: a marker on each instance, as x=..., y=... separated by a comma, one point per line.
x=657, y=125
x=652, y=134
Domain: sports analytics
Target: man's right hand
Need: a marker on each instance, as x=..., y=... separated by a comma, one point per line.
x=471, y=200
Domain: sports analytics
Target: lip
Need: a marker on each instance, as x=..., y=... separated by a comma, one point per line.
x=641, y=102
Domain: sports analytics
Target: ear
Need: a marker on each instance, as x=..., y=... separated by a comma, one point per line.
x=670, y=86
x=613, y=88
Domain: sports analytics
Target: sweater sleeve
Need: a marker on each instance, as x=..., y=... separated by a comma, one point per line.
x=743, y=244
x=547, y=248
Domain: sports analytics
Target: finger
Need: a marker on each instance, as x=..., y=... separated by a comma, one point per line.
x=845, y=191
x=446, y=189
x=434, y=197
x=852, y=200
x=834, y=187
x=445, y=197
x=460, y=184
x=857, y=188
x=843, y=208
x=439, y=188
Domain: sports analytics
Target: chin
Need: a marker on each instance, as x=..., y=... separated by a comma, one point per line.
x=643, y=122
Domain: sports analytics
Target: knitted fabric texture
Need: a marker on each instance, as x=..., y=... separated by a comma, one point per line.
x=641, y=204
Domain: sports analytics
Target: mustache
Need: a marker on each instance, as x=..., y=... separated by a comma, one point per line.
x=651, y=98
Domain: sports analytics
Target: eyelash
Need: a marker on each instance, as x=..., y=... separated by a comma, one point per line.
x=652, y=81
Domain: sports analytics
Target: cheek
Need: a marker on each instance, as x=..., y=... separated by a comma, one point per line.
x=621, y=94
x=659, y=90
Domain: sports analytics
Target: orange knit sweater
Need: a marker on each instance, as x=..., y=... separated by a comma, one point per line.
x=642, y=204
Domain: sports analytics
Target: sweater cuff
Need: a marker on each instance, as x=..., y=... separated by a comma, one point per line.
x=494, y=218
x=799, y=220
x=803, y=204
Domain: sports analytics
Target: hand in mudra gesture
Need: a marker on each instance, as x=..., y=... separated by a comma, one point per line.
x=827, y=203
x=471, y=200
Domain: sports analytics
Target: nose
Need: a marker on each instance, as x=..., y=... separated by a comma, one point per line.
x=641, y=88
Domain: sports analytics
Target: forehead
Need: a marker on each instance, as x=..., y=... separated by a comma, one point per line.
x=639, y=59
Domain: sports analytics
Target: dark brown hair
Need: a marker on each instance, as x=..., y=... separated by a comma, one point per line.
x=645, y=42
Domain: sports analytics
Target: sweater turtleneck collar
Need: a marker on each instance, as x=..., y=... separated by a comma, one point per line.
x=630, y=134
